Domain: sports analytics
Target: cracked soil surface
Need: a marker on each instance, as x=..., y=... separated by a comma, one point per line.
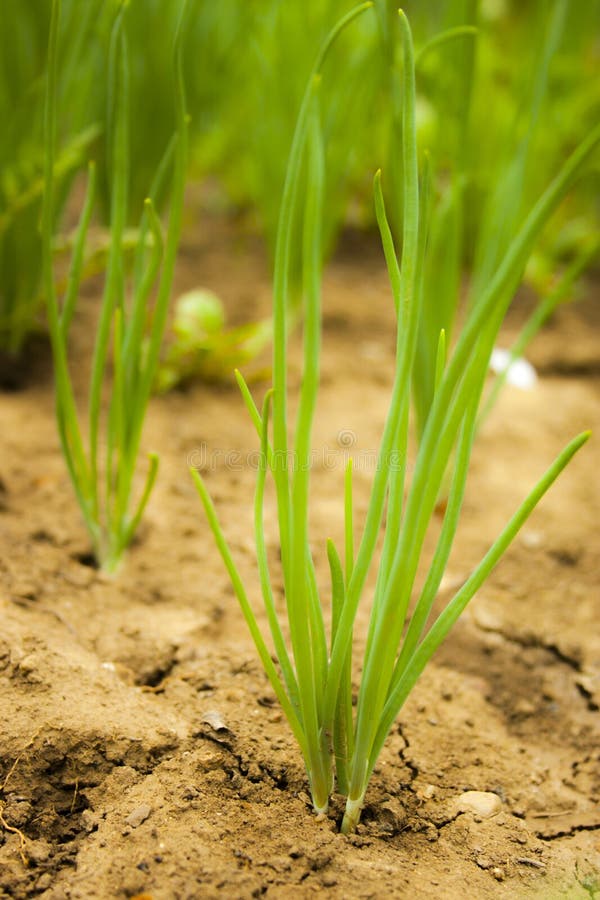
x=142, y=752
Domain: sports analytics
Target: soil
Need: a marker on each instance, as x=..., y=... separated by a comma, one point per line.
x=142, y=752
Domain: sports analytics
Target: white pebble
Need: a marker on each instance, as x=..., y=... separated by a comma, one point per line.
x=484, y=804
x=521, y=373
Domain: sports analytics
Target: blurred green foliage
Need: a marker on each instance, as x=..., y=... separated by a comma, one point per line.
x=246, y=66
x=481, y=104
x=24, y=28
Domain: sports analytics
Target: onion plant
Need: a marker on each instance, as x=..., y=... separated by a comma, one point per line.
x=23, y=40
x=488, y=173
x=313, y=670
x=102, y=468
x=150, y=26
x=312, y=674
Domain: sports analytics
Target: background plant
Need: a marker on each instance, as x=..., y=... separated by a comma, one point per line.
x=494, y=154
x=313, y=679
x=102, y=471
x=23, y=43
x=200, y=344
x=535, y=61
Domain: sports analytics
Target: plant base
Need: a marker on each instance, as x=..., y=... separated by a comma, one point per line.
x=352, y=814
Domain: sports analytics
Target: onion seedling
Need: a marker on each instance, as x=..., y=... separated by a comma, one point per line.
x=312, y=675
x=102, y=472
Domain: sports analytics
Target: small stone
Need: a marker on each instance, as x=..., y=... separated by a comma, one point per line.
x=215, y=721
x=89, y=821
x=320, y=861
x=209, y=758
x=391, y=816
x=38, y=852
x=138, y=815
x=190, y=792
x=524, y=707
x=427, y=792
x=484, y=804
x=44, y=882
x=79, y=576
x=498, y=873
x=486, y=619
x=532, y=539
x=431, y=833
x=519, y=372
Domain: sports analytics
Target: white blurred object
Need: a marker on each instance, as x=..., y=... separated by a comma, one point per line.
x=521, y=373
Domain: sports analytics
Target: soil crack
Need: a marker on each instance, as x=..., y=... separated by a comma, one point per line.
x=407, y=760
x=532, y=641
x=569, y=825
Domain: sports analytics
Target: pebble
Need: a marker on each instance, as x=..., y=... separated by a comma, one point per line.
x=89, y=821
x=486, y=619
x=520, y=372
x=138, y=815
x=532, y=539
x=44, y=881
x=484, y=804
x=214, y=719
x=426, y=792
x=524, y=707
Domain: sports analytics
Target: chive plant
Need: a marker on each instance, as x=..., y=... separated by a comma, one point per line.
x=312, y=675
x=23, y=40
x=492, y=195
x=149, y=26
x=102, y=468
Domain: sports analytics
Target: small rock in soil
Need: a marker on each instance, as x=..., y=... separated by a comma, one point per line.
x=524, y=707
x=138, y=815
x=38, y=852
x=391, y=817
x=484, y=804
x=43, y=882
x=89, y=821
x=214, y=719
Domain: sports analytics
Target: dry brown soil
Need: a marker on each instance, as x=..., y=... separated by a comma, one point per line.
x=142, y=753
